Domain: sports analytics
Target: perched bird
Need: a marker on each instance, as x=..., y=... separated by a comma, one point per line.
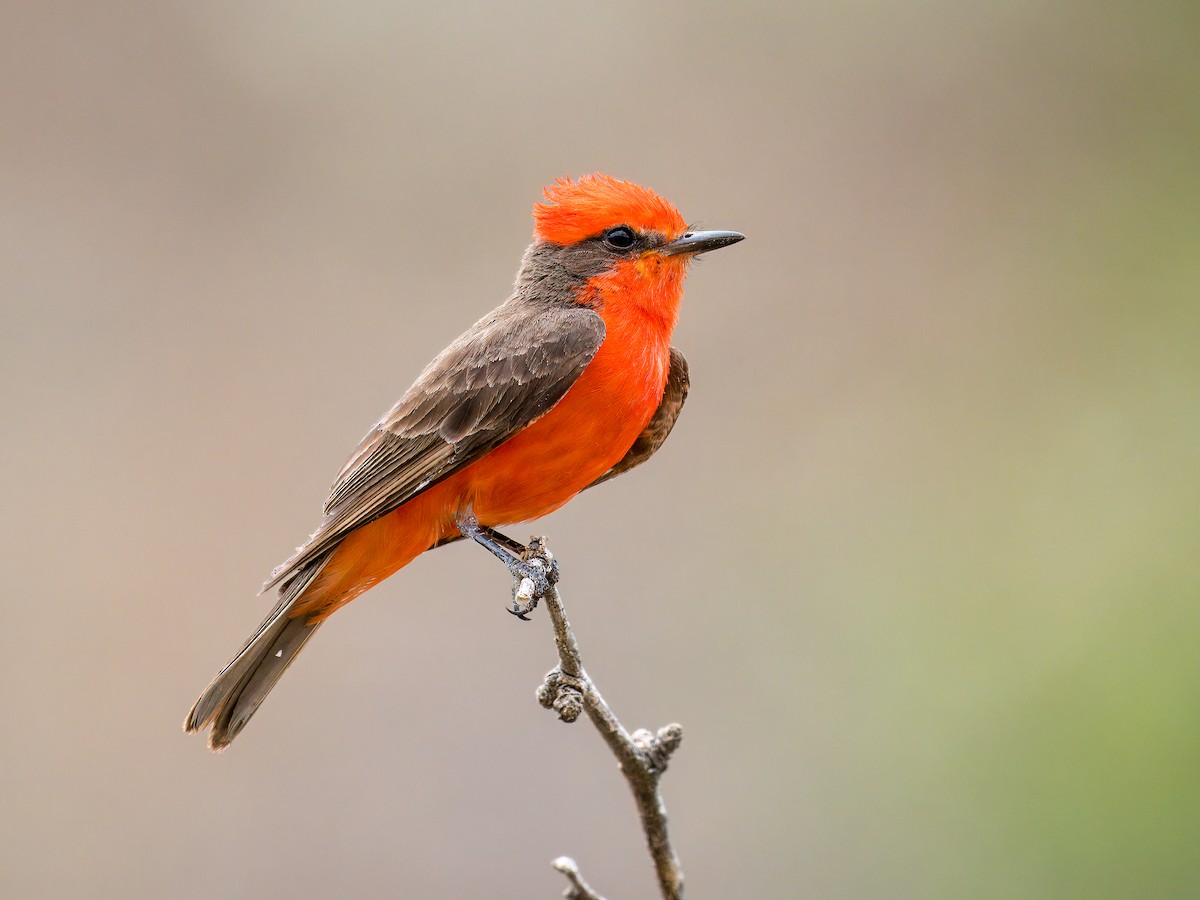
x=569, y=382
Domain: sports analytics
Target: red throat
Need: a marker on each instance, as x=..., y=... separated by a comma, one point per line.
x=646, y=293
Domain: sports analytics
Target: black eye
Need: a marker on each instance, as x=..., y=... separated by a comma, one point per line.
x=620, y=238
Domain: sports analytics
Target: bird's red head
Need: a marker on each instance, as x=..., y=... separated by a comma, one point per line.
x=577, y=210
x=627, y=244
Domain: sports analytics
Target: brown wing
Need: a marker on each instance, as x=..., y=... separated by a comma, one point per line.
x=653, y=434
x=508, y=370
x=660, y=424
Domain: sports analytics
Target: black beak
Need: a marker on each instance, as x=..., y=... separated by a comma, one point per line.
x=700, y=242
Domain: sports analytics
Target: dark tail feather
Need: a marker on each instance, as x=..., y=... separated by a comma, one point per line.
x=228, y=703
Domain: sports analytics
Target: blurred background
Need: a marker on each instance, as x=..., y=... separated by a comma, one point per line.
x=917, y=571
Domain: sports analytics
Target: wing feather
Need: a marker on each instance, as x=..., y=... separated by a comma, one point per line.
x=505, y=372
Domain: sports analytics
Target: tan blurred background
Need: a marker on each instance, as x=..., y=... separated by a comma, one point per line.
x=917, y=571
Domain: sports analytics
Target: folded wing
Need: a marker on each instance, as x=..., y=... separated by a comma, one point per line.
x=506, y=372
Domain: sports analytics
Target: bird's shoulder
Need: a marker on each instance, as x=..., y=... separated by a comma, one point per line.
x=505, y=371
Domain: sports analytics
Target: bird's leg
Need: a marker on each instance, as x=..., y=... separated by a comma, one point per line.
x=515, y=549
x=508, y=550
x=532, y=569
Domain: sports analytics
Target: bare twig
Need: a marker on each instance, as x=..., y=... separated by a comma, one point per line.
x=642, y=756
x=579, y=889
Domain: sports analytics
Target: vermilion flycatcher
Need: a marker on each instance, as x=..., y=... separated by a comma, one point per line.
x=569, y=382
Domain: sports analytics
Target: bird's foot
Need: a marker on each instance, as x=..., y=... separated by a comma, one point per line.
x=533, y=568
x=533, y=576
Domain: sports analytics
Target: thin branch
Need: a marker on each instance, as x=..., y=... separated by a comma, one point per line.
x=579, y=889
x=642, y=756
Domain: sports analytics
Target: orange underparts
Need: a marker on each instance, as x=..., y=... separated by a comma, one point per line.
x=531, y=474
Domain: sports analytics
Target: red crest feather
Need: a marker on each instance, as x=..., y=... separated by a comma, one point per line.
x=576, y=210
